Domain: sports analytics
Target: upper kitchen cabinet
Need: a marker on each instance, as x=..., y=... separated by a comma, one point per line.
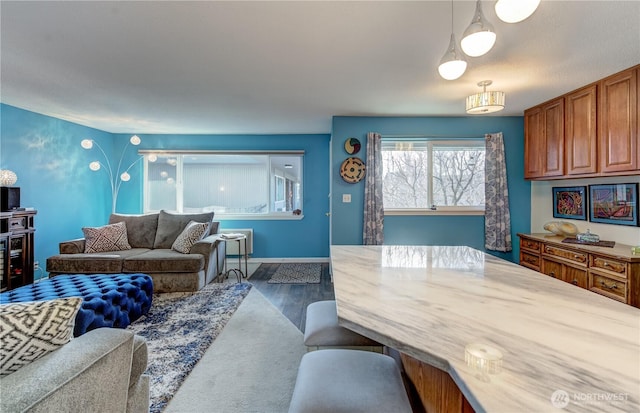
x=618, y=118
x=581, y=133
x=544, y=140
x=589, y=132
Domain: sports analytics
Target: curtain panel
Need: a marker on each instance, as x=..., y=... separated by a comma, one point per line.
x=497, y=219
x=372, y=233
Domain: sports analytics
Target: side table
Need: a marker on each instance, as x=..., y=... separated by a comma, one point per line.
x=236, y=271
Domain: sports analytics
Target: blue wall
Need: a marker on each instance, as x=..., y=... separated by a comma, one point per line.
x=346, y=224
x=308, y=237
x=53, y=175
x=54, y=178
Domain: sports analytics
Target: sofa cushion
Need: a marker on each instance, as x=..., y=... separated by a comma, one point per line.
x=163, y=260
x=98, y=263
x=192, y=233
x=141, y=229
x=112, y=237
x=171, y=225
x=31, y=330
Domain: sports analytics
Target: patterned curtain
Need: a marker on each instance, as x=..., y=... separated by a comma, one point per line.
x=497, y=220
x=373, y=209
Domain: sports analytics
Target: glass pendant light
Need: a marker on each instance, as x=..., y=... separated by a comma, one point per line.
x=480, y=36
x=514, y=11
x=453, y=64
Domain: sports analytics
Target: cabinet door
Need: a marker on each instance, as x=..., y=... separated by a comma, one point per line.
x=576, y=276
x=552, y=269
x=533, y=142
x=553, y=154
x=581, y=131
x=618, y=120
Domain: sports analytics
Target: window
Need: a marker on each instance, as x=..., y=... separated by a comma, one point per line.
x=424, y=175
x=228, y=183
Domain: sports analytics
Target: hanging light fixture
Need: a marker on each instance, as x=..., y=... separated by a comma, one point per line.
x=453, y=64
x=480, y=36
x=485, y=102
x=514, y=11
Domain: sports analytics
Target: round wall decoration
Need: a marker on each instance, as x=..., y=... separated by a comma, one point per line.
x=352, y=146
x=352, y=170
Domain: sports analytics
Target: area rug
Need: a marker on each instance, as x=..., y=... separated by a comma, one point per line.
x=297, y=273
x=179, y=328
x=250, y=368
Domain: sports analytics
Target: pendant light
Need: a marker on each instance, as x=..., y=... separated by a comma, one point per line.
x=514, y=11
x=485, y=102
x=453, y=64
x=480, y=36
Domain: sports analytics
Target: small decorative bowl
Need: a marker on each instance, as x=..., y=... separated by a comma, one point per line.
x=587, y=237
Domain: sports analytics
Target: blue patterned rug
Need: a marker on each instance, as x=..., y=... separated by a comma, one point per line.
x=179, y=328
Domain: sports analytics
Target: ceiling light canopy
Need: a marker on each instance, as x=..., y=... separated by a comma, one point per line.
x=514, y=11
x=453, y=64
x=485, y=102
x=480, y=36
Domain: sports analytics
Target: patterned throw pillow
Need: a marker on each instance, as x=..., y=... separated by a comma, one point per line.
x=112, y=237
x=192, y=233
x=31, y=330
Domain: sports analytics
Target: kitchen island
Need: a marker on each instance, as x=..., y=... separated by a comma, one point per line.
x=563, y=348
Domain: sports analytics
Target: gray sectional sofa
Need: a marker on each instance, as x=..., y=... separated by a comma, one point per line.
x=100, y=371
x=151, y=237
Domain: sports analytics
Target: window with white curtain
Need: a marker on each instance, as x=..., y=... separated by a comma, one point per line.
x=256, y=184
x=424, y=175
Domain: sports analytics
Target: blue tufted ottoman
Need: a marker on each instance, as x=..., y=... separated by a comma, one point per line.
x=113, y=300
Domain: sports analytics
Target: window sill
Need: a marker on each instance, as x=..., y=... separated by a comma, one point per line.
x=438, y=211
x=258, y=217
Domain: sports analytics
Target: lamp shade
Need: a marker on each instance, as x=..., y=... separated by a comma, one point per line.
x=480, y=36
x=485, y=101
x=514, y=11
x=7, y=177
x=453, y=64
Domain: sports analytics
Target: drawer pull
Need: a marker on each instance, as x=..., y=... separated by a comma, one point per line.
x=610, y=287
x=530, y=260
x=606, y=264
x=576, y=256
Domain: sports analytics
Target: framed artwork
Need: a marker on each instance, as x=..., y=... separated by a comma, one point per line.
x=570, y=202
x=614, y=204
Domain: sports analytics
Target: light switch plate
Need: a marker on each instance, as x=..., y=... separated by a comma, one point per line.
x=346, y=198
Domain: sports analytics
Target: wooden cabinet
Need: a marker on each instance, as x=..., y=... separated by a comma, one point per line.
x=581, y=134
x=612, y=272
x=590, y=132
x=16, y=249
x=618, y=118
x=544, y=140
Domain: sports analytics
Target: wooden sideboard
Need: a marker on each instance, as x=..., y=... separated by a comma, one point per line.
x=612, y=272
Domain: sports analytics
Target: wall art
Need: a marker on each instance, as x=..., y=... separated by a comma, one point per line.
x=570, y=202
x=614, y=204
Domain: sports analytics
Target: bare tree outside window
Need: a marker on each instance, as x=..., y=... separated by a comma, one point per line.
x=422, y=175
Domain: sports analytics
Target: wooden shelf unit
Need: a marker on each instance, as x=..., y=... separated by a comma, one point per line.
x=16, y=249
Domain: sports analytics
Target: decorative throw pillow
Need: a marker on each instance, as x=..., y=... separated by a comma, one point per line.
x=112, y=237
x=31, y=330
x=192, y=233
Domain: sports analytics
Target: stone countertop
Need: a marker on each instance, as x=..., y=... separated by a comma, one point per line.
x=431, y=301
x=617, y=251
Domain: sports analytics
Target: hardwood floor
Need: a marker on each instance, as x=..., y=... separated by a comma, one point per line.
x=292, y=299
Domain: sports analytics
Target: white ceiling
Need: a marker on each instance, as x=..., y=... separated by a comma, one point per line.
x=288, y=67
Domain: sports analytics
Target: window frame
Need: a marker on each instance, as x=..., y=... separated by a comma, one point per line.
x=247, y=216
x=430, y=142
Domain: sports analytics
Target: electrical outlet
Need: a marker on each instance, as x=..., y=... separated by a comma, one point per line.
x=36, y=265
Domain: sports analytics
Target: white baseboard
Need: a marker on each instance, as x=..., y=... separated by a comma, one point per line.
x=280, y=260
